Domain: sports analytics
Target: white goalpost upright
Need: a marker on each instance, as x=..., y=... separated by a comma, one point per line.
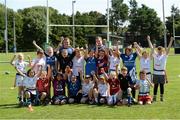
x=73, y=25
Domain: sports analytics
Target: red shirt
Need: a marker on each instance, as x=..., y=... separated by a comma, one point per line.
x=43, y=85
x=114, y=86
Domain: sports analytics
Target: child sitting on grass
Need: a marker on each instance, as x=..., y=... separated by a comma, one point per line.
x=43, y=86
x=59, y=84
x=144, y=88
x=74, y=86
x=30, y=81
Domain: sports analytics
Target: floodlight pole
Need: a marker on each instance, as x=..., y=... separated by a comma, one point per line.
x=14, y=31
x=73, y=2
x=164, y=22
x=6, y=29
x=47, y=22
x=173, y=25
x=108, y=20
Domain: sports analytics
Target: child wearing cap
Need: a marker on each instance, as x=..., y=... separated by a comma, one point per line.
x=144, y=88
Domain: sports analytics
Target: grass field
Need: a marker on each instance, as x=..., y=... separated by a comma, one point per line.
x=169, y=109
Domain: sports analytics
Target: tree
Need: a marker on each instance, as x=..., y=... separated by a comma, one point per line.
x=175, y=12
x=143, y=22
x=10, y=15
x=118, y=15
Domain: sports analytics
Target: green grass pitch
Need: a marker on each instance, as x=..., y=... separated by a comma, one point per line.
x=169, y=109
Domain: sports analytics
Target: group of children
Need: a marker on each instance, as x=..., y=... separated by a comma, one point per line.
x=92, y=76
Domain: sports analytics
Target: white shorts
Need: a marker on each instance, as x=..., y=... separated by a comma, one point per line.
x=19, y=80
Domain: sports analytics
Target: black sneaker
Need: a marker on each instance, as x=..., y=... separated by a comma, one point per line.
x=161, y=99
x=21, y=103
x=154, y=99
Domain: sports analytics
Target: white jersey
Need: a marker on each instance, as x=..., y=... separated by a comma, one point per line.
x=144, y=87
x=86, y=88
x=78, y=63
x=103, y=89
x=113, y=62
x=21, y=65
x=145, y=64
x=39, y=62
x=30, y=83
x=159, y=64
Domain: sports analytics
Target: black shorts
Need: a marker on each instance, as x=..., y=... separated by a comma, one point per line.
x=159, y=79
x=59, y=98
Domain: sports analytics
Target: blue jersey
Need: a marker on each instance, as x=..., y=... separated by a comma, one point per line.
x=51, y=60
x=129, y=61
x=69, y=50
x=90, y=65
x=73, y=88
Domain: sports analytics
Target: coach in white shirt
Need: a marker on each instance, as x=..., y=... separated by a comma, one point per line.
x=159, y=74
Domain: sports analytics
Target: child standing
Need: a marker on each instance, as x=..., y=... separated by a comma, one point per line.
x=114, y=59
x=20, y=65
x=91, y=62
x=64, y=60
x=159, y=74
x=39, y=61
x=78, y=62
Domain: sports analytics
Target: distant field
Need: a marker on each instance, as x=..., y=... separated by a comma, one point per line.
x=169, y=109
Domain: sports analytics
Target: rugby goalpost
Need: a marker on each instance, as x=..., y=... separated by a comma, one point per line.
x=73, y=25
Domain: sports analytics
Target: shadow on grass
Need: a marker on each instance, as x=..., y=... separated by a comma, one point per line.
x=7, y=106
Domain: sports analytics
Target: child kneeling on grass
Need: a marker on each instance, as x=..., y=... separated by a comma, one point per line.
x=101, y=90
x=125, y=81
x=59, y=84
x=74, y=86
x=30, y=86
x=87, y=88
x=144, y=89
x=43, y=86
x=114, y=84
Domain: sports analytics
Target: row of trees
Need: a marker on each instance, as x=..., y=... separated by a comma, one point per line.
x=31, y=24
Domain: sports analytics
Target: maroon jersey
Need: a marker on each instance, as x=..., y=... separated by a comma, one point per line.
x=102, y=63
x=114, y=86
